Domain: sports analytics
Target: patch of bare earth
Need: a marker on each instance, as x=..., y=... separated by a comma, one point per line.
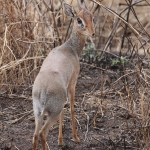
x=102, y=124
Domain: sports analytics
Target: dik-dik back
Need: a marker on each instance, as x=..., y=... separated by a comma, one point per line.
x=57, y=77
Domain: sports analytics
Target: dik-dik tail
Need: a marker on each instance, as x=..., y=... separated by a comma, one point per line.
x=58, y=76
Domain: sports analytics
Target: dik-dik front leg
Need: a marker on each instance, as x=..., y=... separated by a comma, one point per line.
x=71, y=91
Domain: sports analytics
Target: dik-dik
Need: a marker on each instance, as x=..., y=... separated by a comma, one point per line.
x=58, y=76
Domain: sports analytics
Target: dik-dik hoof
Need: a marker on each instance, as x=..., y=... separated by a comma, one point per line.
x=76, y=139
x=60, y=142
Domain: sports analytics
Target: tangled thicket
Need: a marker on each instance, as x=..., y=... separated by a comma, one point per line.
x=30, y=29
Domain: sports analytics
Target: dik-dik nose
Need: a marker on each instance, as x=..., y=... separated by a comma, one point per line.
x=93, y=34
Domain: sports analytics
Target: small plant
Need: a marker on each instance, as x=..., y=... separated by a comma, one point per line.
x=123, y=60
x=114, y=62
x=88, y=47
x=87, y=53
x=118, y=61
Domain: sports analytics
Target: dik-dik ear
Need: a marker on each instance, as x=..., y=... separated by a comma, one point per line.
x=69, y=10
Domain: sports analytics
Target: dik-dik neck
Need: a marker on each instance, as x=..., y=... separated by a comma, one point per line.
x=76, y=41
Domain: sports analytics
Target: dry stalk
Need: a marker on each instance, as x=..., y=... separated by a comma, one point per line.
x=129, y=25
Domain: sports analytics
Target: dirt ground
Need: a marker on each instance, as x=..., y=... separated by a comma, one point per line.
x=100, y=125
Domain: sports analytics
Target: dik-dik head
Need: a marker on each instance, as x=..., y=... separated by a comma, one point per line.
x=83, y=20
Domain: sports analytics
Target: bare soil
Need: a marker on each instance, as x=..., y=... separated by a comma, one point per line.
x=102, y=125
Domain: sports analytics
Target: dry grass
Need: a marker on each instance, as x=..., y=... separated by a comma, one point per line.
x=123, y=34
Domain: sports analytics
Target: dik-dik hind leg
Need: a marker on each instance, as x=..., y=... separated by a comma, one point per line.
x=51, y=120
x=38, y=125
x=60, y=139
x=71, y=91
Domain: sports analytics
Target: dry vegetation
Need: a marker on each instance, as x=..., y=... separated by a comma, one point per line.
x=29, y=29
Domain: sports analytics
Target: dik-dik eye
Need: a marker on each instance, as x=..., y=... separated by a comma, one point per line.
x=80, y=23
